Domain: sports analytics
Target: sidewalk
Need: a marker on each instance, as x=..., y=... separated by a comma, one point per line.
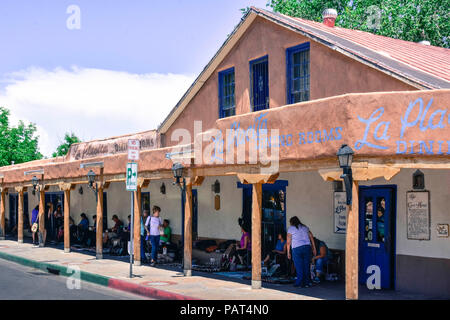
x=161, y=283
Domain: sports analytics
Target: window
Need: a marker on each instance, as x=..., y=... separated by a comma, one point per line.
x=259, y=83
x=297, y=59
x=227, y=106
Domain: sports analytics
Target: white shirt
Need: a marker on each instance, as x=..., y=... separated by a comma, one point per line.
x=300, y=236
x=153, y=223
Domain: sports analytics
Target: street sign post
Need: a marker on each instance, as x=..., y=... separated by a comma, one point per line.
x=131, y=185
x=132, y=173
x=133, y=149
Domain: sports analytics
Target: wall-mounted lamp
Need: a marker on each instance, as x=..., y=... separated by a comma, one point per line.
x=91, y=182
x=215, y=187
x=177, y=170
x=345, y=156
x=162, y=189
x=418, y=180
x=91, y=175
x=35, y=182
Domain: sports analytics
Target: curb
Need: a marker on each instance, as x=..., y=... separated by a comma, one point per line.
x=99, y=279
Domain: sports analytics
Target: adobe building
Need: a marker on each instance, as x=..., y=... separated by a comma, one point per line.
x=258, y=133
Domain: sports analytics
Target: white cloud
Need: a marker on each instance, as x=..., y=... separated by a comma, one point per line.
x=93, y=103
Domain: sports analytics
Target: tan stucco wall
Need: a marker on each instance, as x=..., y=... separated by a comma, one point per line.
x=331, y=74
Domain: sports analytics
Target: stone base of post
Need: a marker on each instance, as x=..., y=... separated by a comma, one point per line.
x=66, y=250
x=99, y=256
x=188, y=273
x=137, y=263
x=256, y=284
x=20, y=241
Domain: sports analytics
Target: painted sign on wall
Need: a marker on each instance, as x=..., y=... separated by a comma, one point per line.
x=340, y=212
x=85, y=150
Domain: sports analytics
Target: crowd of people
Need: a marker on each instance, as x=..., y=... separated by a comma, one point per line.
x=295, y=252
x=154, y=231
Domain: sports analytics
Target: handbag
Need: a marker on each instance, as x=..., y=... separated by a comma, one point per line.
x=34, y=227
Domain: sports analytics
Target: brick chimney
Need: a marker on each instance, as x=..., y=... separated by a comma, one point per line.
x=329, y=17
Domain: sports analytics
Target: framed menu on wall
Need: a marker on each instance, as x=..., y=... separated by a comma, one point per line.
x=418, y=215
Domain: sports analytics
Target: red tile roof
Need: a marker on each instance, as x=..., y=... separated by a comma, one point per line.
x=432, y=60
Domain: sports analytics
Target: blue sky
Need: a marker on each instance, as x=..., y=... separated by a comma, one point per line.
x=127, y=55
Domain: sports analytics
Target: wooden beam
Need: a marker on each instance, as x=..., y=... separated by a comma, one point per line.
x=143, y=183
x=351, y=247
x=2, y=214
x=198, y=181
x=249, y=178
x=188, y=231
x=64, y=186
x=20, y=214
x=41, y=230
x=360, y=173
x=137, y=227
x=66, y=220
x=256, y=235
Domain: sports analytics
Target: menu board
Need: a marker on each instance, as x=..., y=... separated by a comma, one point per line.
x=340, y=212
x=418, y=215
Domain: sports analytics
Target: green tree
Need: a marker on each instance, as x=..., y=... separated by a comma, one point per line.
x=63, y=148
x=411, y=20
x=17, y=144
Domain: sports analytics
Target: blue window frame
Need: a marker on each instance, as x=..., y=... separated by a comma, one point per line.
x=227, y=106
x=297, y=60
x=259, y=83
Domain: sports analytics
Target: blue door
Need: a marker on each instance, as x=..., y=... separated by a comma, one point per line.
x=259, y=70
x=377, y=233
x=273, y=211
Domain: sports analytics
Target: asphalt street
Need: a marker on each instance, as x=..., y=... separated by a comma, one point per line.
x=18, y=282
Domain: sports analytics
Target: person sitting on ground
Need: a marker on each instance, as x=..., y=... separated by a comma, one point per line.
x=34, y=219
x=279, y=253
x=321, y=259
x=73, y=231
x=167, y=232
x=243, y=246
x=118, y=226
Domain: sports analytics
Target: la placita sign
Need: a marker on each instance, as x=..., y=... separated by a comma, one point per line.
x=133, y=149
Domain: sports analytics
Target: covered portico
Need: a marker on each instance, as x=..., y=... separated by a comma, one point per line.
x=305, y=140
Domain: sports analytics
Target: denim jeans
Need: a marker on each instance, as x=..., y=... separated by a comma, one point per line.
x=143, y=257
x=320, y=263
x=302, y=258
x=154, y=240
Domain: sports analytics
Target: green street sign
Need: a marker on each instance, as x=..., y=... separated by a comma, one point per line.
x=132, y=174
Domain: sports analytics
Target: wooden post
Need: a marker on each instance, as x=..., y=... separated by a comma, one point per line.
x=137, y=227
x=66, y=220
x=2, y=214
x=256, y=235
x=41, y=229
x=20, y=190
x=351, y=247
x=188, y=230
x=99, y=245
